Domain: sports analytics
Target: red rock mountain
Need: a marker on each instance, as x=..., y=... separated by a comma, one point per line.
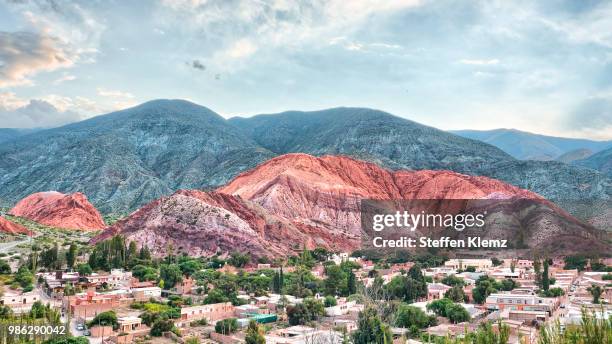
x=56, y=209
x=10, y=227
x=298, y=199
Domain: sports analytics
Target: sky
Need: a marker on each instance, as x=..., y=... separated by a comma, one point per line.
x=539, y=66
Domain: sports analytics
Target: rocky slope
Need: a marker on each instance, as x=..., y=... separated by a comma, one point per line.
x=56, y=209
x=13, y=228
x=298, y=199
x=573, y=155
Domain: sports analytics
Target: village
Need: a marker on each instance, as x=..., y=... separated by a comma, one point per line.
x=316, y=297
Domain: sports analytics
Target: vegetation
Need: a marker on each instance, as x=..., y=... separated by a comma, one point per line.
x=254, y=334
x=302, y=313
x=592, y=330
x=412, y=317
x=226, y=326
x=105, y=319
x=371, y=329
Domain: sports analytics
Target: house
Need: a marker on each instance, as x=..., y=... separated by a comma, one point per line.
x=144, y=294
x=89, y=304
x=302, y=335
x=212, y=312
x=55, y=282
x=185, y=286
x=19, y=302
x=521, y=302
x=341, y=309
x=462, y=264
x=436, y=291
x=132, y=325
x=116, y=278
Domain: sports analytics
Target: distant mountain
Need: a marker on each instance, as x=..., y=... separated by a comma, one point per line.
x=528, y=146
x=7, y=134
x=127, y=158
x=601, y=161
x=298, y=200
x=573, y=155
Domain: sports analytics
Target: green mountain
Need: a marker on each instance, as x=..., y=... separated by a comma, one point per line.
x=528, y=146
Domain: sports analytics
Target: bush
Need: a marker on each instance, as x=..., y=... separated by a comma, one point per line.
x=330, y=301
x=106, y=319
x=160, y=326
x=226, y=326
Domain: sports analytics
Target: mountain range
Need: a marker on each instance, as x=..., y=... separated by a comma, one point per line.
x=298, y=200
x=528, y=146
x=128, y=158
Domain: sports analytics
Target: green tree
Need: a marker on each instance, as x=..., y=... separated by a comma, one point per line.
x=226, y=326
x=456, y=294
x=105, y=319
x=457, y=313
x=408, y=316
x=596, y=292
x=545, y=276
x=24, y=277
x=254, y=334
x=371, y=329
x=351, y=283
x=5, y=268
x=160, y=326
x=238, y=259
x=171, y=274
x=71, y=256
x=330, y=301
x=84, y=269
x=144, y=253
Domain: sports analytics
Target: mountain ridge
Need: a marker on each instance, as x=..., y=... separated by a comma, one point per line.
x=128, y=158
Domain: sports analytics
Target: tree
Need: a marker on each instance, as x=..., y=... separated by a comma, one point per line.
x=457, y=313
x=84, y=269
x=351, y=283
x=297, y=314
x=485, y=286
x=575, y=262
x=106, y=319
x=452, y=280
x=71, y=256
x=545, y=277
x=171, y=274
x=5, y=268
x=456, y=294
x=330, y=301
x=160, y=326
x=144, y=253
x=278, y=281
x=238, y=259
x=596, y=292
x=408, y=316
x=144, y=273
x=254, y=334
x=24, y=277
x=406, y=289
x=226, y=326
x=371, y=329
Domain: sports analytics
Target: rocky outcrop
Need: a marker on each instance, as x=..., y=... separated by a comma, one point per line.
x=72, y=211
x=298, y=200
x=9, y=227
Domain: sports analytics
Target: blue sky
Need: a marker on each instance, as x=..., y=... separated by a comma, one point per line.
x=544, y=67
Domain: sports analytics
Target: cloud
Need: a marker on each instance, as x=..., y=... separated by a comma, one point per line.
x=118, y=99
x=54, y=35
x=198, y=65
x=477, y=62
x=64, y=78
x=23, y=54
x=17, y=113
x=593, y=115
x=239, y=30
